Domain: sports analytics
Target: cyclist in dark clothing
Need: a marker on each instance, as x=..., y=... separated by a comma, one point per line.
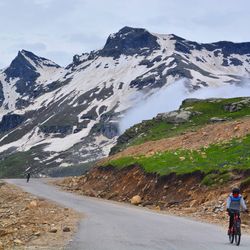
x=28, y=176
x=234, y=202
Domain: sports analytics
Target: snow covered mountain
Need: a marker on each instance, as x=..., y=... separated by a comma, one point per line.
x=53, y=116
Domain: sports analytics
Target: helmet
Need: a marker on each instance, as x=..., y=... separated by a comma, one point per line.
x=236, y=191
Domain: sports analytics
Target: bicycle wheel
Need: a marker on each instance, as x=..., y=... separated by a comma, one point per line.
x=237, y=239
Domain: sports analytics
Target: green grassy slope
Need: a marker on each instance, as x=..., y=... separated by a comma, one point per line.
x=217, y=161
x=218, y=157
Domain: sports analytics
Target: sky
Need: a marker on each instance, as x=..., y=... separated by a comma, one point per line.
x=58, y=29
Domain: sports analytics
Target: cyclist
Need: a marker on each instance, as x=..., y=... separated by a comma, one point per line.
x=28, y=177
x=234, y=202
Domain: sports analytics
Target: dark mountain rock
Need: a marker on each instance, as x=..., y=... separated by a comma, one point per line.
x=21, y=68
x=91, y=114
x=235, y=62
x=129, y=41
x=39, y=61
x=1, y=94
x=20, y=103
x=26, y=73
x=108, y=129
x=77, y=60
x=224, y=47
x=228, y=48
x=57, y=84
x=102, y=109
x=55, y=129
x=10, y=121
x=225, y=62
x=141, y=82
x=149, y=63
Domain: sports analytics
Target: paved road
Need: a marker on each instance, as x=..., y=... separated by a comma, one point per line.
x=112, y=226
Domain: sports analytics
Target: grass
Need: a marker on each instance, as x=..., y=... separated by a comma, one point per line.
x=14, y=165
x=218, y=159
x=151, y=130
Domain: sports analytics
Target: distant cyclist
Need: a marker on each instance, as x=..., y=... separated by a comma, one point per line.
x=234, y=202
x=28, y=177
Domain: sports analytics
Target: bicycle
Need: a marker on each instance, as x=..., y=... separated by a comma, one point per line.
x=235, y=230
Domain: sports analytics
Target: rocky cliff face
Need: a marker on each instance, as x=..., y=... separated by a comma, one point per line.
x=70, y=115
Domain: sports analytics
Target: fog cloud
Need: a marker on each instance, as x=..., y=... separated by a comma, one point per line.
x=170, y=98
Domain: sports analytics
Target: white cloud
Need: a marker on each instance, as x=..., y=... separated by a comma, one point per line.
x=48, y=21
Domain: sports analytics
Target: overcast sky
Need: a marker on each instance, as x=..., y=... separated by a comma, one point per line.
x=58, y=29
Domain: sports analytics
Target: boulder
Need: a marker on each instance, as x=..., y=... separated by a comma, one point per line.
x=18, y=242
x=236, y=106
x=66, y=229
x=53, y=230
x=136, y=200
x=217, y=119
x=3, y=232
x=175, y=117
x=33, y=204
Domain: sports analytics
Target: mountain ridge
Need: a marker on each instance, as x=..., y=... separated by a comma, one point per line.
x=66, y=116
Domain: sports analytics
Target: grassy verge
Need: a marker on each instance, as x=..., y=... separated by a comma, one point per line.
x=217, y=160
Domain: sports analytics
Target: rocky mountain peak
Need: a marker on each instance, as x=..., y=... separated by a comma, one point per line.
x=22, y=66
x=129, y=41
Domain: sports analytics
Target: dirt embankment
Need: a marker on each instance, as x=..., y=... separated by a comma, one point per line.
x=28, y=222
x=181, y=195
x=203, y=137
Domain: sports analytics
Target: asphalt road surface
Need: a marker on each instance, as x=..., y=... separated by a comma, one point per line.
x=113, y=226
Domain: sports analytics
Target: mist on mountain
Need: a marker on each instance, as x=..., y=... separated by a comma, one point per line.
x=170, y=97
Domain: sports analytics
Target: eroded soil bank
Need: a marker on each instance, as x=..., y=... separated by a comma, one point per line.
x=181, y=195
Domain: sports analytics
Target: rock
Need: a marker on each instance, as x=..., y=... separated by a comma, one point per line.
x=3, y=232
x=217, y=119
x=236, y=106
x=136, y=200
x=218, y=209
x=194, y=203
x=18, y=242
x=32, y=204
x=53, y=230
x=236, y=128
x=157, y=208
x=1, y=246
x=91, y=192
x=66, y=229
x=174, y=203
x=182, y=158
x=180, y=116
x=147, y=203
x=10, y=121
x=244, y=225
x=37, y=233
